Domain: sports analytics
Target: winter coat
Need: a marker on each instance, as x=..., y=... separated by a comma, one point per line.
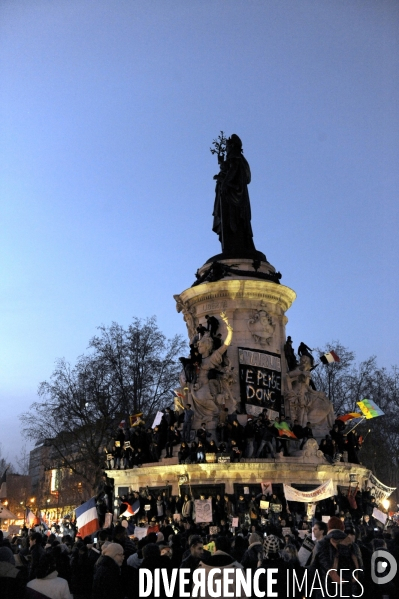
x=222, y=561
x=187, y=509
x=107, y=580
x=12, y=582
x=36, y=553
x=50, y=587
x=253, y=554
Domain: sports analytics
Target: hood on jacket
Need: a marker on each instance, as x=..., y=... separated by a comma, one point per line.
x=219, y=559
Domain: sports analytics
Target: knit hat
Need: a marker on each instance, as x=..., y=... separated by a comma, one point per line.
x=112, y=550
x=271, y=545
x=335, y=523
x=6, y=555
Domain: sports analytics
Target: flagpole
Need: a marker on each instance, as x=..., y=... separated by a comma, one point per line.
x=362, y=419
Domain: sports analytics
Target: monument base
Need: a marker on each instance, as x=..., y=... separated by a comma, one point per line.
x=311, y=469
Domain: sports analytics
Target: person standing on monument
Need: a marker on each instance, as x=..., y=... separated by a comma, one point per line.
x=187, y=423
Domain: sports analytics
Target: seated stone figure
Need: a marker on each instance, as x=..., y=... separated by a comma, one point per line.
x=305, y=403
x=211, y=390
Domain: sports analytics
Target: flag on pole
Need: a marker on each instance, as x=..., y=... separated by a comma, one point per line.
x=284, y=430
x=3, y=485
x=131, y=509
x=369, y=409
x=329, y=357
x=43, y=520
x=29, y=517
x=350, y=416
x=87, y=518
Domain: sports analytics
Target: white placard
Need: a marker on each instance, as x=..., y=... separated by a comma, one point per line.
x=203, y=510
x=140, y=532
x=157, y=419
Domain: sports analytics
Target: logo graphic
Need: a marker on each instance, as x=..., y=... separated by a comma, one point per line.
x=383, y=567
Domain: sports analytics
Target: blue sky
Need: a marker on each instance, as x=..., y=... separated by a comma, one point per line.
x=107, y=112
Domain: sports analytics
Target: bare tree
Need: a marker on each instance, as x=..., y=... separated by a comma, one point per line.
x=23, y=461
x=347, y=383
x=126, y=371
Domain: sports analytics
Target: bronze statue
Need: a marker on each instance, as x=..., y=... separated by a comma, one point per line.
x=232, y=210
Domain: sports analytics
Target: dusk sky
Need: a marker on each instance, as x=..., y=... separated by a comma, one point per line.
x=107, y=112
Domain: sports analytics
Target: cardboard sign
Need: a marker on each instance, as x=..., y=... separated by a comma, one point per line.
x=246, y=490
x=139, y=532
x=108, y=520
x=147, y=507
x=267, y=488
x=234, y=523
x=213, y=530
x=264, y=505
x=157, y=419
x=305, y=550
x=203, y=510
x=210, y=458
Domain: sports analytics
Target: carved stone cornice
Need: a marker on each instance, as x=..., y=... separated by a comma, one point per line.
x=240, y=289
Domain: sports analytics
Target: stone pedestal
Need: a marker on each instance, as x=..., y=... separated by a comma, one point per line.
x=253, y=303
x=311, y=470
x=255, y=309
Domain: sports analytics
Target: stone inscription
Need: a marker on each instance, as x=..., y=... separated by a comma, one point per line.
x=211, y=306
x=262, y=359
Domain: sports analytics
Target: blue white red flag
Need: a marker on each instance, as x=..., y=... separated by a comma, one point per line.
x=87, y=518
x=131, y=510
x=43, y=520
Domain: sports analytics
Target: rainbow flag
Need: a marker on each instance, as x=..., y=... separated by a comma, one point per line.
x=350, y=416
x=284, y=430
x=369, y=409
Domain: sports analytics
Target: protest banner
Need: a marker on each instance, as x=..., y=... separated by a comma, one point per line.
x=325, y=491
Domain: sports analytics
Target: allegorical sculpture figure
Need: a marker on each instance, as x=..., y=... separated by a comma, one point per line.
x=232, y=210
x=305, y=403
x=210, y=390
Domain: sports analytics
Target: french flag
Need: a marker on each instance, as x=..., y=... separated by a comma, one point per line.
x=131, y=510
x=87, y=518
x=329, y=358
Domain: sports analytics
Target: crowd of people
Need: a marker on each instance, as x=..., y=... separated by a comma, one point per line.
x=107, y=564
x=259, y=438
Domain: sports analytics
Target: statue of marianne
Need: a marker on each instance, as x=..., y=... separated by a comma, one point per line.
x=232, y=210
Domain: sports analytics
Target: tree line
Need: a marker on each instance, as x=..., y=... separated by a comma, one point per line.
x=125, y=371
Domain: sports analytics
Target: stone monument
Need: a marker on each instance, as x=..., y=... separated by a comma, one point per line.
x=241, y=290
x=240, y=358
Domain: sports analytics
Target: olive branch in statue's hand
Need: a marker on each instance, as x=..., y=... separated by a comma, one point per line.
x=219, y=146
